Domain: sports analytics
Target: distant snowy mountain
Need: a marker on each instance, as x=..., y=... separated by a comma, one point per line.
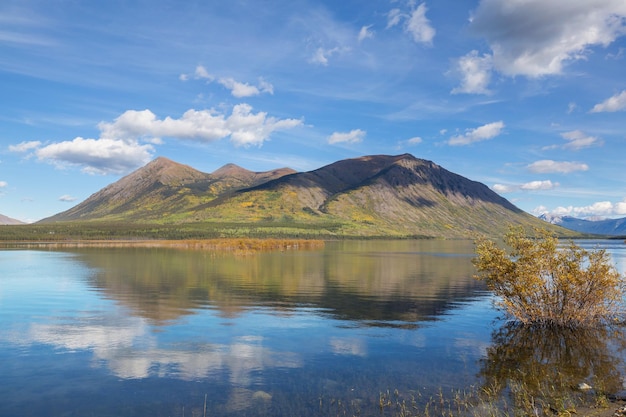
x=612, y=227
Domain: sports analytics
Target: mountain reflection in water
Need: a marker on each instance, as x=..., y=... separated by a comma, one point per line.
x=136, y=332
x=369, y=287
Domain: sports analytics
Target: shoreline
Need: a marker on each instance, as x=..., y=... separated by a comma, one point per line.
x=215, y=244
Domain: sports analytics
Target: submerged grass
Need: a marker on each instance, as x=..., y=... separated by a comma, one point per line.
x=480, y=402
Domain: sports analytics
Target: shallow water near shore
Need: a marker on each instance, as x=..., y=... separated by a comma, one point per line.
x=168, y=332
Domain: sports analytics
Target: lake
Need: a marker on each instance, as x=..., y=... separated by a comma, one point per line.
x=169, y=332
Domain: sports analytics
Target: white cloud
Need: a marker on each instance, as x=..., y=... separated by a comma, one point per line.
x=248, y=129
x=536, y=37
x=126, y=143
x=414, y=141
x=365, y=33
x=503, y=188
x=131, y=124
x=540, y=210
x=354, y=136
x=419, y=26
x=97, y=156
x=529, y=186
x=244, y=127
x=67, y=198
x=485, y=132
x=549, y=166
x=3, y=184
x=200, y=73
x=409, y=142
x=539, y=185
x=579, y=140
x=238, y=89
x=598, y=209
x=475, y=73
x=25, y=146
x=611, y=104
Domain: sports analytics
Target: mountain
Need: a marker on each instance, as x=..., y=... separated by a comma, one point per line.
x=8, y=220
x=161, y=189
x=378, y=195
x=610, y=227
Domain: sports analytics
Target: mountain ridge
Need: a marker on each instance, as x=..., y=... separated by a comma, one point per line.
x=609, y=227
x=5, y=220
x=161, y=181
x=375, y=195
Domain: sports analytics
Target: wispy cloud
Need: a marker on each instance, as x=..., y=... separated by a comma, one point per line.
x=475, y=71
x=577, y=140
x=611, y=104
x=485, y=132
x=538, y=185
x=66, y=198
x=25, y=146
x=353, y=136
x=237, y=88
x=416, y=24
x=504, y=188
x=365, y=33
x=549, y=166
x=414, y=141
x=200, y=73
x=419, y=26
x=322, y=55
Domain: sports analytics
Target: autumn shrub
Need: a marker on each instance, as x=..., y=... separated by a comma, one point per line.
x=539, y=281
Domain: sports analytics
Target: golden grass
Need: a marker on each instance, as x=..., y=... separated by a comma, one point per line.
x=235, y=245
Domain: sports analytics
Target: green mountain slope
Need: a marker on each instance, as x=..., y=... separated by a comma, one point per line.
x=379, y=195
x=160, y=191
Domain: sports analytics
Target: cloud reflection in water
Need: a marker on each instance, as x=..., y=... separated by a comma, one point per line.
x=130, y=350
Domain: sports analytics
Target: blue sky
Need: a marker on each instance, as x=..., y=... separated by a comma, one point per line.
x=526, y=96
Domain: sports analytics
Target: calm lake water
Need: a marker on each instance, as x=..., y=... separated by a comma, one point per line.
x=161, y=332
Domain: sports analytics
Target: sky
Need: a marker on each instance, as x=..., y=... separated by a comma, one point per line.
x=525, y=96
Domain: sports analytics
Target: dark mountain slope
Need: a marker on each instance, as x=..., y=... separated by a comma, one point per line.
x=376, y=195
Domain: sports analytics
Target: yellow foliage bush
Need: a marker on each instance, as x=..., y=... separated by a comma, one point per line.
x=540, y=282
